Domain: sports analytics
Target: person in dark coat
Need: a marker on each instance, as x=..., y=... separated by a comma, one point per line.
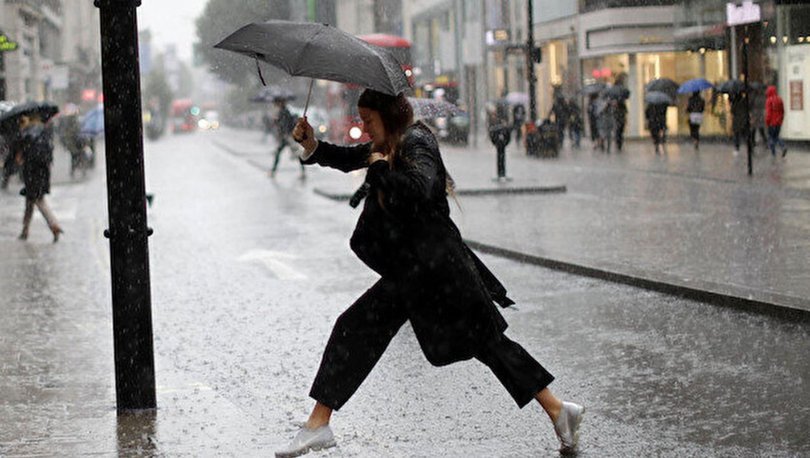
x=518, y=118
x=757, y=118
x=740, y=123
x=69, y=136
x=499, y=132
x=34, y=148
x=284, y=125
x=574, y=122
x=694, y=108
x=621, y=122
x=593, y=117
x=428, y=276
x=559, y=109
x=656, y=114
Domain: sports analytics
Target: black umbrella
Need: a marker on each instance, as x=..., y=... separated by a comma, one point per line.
x=45, y=110
x=593, y=88
x=272, y=93
x=617, y=92
x=432, y=108
x=665, y=85
x=731, y=87
x=658, y=98
x=319, y=51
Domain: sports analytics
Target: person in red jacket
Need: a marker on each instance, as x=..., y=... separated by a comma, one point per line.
x=774, y=115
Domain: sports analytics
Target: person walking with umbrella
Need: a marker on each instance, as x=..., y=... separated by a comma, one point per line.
x=284, y=124
x=34, y=148
x=499, y=132
x=428, y=276
x=656, y=114
x=694, y=108
x=740, y=122
x=774, y=115
x=575, y=122
x=758, y=99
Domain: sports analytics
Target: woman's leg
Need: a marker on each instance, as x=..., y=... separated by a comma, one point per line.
x=27, y=215
x=521, y=374
x=526, y=379
x=359, y=338
x=50, y=218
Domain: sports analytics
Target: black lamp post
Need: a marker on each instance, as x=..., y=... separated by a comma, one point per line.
x=126, y=200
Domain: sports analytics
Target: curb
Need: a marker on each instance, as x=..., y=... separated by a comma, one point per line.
x=339, y=196
x=772, y=309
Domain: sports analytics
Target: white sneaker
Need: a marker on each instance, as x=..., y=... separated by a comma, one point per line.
x=306, y=440
x=567, y=426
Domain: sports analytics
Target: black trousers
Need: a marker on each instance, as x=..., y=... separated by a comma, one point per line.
x=282, y=143
x=694, y=131
x=363, y=332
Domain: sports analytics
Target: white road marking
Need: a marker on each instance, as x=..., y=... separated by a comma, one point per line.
x=275, y=262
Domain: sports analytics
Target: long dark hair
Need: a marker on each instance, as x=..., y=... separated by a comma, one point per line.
x=396, y=114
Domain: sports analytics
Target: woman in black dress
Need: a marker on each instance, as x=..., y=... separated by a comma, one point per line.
x=428, y=276
x=34, y=147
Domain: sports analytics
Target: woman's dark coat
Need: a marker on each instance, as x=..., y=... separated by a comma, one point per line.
x=405, y=234
x=35, y=142
x=740, y=123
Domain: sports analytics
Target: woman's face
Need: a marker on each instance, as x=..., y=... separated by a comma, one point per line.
x=373, y=126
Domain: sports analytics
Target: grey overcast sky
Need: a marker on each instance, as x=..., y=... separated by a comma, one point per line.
x=171, y=21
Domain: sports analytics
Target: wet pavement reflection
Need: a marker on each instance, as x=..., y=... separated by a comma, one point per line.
x=248, y=276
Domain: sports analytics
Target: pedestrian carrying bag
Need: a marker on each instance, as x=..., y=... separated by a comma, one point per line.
x=695, y=118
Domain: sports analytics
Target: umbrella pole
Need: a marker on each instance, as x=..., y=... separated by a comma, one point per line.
x=306, y=105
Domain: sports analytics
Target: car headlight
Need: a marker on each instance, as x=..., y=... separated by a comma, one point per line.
x=441, y=122
x=355, y=133
x=203, y=124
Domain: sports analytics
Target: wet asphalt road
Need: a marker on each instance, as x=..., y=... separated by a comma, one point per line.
x=249, y=274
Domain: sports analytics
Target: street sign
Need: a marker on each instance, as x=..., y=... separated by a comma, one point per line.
x=747, y=13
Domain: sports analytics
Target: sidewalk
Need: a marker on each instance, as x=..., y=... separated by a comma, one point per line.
x=687, y=222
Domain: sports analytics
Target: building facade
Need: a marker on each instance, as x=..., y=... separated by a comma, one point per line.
x=50, y=50
x=475, y=47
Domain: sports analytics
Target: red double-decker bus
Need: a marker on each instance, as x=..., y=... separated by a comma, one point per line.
x=341, y=100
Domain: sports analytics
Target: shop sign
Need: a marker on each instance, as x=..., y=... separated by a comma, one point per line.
x=746, y=13
x=497, y=37
x=7, y=44
x=796, y=95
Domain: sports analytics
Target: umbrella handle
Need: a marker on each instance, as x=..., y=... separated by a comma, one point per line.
x=306, y=105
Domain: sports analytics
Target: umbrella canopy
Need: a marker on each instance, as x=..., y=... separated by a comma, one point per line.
x=665, y=85
x=617, y=92
x=658, y=98
x=695, y=85
x=319, y=51
x=45, y=110
x=272, y=93
x=432, y=108
x=593, y=88
x=731, y=87
x=737, y=86
x=517, y=98
x=93, y=122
